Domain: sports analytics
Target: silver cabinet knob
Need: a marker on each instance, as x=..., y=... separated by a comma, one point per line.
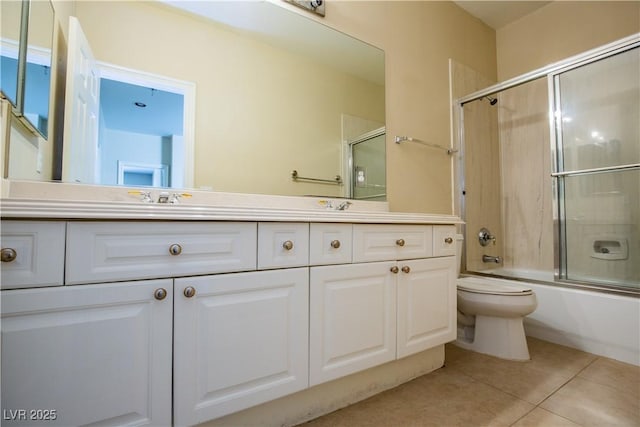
x=394, y=269
x=400, y=242
x=335, y=244
x=8, y=254
x=160, y=294
x=189, y=291
x=406, y=269
x=175, y=249
x=288, y=245
x=448, y=240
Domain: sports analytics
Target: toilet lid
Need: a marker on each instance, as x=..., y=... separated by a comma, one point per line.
x=481, y=286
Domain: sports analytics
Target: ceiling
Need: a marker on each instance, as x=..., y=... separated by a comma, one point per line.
x=497, y=14
x=160, y=113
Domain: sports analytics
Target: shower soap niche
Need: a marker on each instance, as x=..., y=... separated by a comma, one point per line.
x=610, y=249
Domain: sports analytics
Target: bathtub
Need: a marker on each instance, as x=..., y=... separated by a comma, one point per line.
x=597, y=322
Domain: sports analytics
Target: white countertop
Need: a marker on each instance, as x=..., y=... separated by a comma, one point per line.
x=60, y=209
x=41, y=200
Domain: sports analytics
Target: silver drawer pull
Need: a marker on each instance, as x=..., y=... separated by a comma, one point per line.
x=448, y=240
x=8, y=254
x=394, y=269
x=189, y=291
x=335, y=244
x=160, y=294
x=400, y=242
x=288, y=245
x=406, y=269
x=175, y=249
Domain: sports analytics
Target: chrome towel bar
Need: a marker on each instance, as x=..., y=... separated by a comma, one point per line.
x=401, y=139
x=336, y=181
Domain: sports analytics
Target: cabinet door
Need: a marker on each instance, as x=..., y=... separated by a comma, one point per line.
x=240, y=340
x=426, y=304
x=107, y=251
x=376, y=242
x=444, y=240
x=33, y=254
x=330, y=243
x=282, y=244
x=91, y=354
x=352, y=319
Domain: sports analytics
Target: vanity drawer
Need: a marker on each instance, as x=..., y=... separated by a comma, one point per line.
x=330, y=243
x=32, y=254
x=283, y=244
x=105, y=251
x=444, y=240
x=381, y=242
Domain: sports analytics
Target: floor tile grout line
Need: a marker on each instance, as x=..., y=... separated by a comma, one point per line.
x=561, y=386
x=518, y=420
x=460, y=371
x=543, y=400
x=555, y=391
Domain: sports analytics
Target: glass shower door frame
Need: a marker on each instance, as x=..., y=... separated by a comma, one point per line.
x=559, y=174
x=350, y=179
x=551, y=72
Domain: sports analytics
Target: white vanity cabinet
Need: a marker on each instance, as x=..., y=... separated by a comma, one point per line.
x=366, y=314
x=240, y=340
x=88, y=354
x=181, y=322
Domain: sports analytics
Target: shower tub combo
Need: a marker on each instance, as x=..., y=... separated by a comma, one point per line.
x=550, y=163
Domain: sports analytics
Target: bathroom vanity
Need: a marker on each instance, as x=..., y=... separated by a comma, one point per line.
x=131, y=313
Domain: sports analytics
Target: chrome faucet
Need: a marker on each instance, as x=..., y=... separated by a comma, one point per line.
x=163, y=197
x=489, y=258
x=343, y=206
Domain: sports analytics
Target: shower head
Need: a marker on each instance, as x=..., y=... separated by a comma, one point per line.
x=492, y=101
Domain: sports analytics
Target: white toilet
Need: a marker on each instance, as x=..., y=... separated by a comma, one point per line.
x=490, y=315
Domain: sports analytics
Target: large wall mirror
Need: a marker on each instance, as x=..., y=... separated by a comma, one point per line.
x=26, y=52
x=268, y=91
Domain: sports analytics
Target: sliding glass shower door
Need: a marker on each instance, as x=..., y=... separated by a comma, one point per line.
x=597, y=170
x=367, y=160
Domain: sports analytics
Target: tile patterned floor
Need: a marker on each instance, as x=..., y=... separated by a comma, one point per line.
x=560, y=386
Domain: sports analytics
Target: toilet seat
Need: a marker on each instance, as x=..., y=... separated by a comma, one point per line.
x=480, y=286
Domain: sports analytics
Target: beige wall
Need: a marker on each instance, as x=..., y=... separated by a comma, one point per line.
x=562, y=29
x=418, y=39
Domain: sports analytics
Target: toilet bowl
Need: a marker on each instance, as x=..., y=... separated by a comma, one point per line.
x=490, y=314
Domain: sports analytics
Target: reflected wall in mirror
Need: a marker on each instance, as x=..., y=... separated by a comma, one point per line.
x=10, y=18
x=27, y=39
x=273, y=87
x=37, y=88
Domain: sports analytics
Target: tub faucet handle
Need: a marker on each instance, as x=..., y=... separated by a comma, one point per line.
x=485, y=236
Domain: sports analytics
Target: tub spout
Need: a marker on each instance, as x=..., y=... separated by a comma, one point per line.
x=489, y=258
